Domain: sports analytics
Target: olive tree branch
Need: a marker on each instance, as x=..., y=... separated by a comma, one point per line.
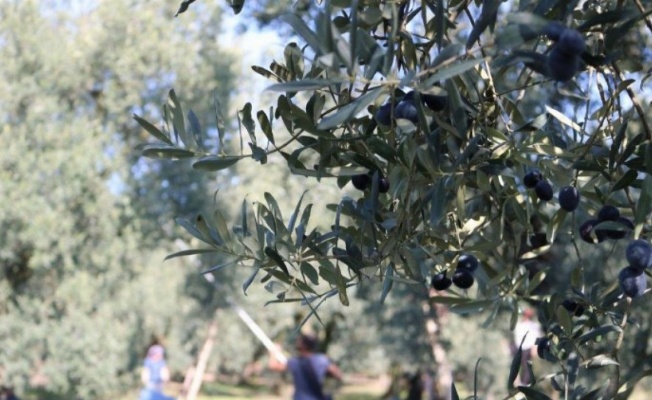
x=636, y=102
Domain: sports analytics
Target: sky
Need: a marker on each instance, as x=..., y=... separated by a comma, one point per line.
x=255, y=47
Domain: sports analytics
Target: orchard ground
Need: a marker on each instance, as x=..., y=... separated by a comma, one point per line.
x=356, y=388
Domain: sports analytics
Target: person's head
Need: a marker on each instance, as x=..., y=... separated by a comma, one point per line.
x=155, y=352
x=306, y=343
x=528, y=313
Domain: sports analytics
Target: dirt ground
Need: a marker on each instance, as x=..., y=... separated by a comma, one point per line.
x=355, y=388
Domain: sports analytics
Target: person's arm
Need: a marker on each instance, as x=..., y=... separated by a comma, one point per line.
x=334, y=371
x=275, y=364
x=144, y=375
x=165, y=373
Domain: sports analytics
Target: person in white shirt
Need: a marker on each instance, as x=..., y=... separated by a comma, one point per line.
x=527, y=331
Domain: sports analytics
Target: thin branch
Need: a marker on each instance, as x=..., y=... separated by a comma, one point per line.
x=636, y=102
x=642, y=10
x=613, y=386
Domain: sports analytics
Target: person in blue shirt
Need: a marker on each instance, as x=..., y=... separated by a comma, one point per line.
x=7, y=393
x=308, y=368
x=154, y=374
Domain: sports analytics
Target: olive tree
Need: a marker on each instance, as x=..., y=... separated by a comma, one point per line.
x=497, y=151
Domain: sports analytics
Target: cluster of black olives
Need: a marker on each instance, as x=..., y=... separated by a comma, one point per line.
x=606, y=213
x=632, y=278
x=407, y=108
x=564, y=59
x=462, y=277
x=387, y=113
x=569, y=197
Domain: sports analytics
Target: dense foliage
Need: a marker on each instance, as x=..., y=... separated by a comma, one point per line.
x=458, y=122
x=82, y=289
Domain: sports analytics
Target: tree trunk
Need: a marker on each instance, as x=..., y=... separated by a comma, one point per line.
x=434, y=318
x=198, y=374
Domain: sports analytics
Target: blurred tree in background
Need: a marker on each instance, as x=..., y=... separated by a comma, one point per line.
x=83, y=287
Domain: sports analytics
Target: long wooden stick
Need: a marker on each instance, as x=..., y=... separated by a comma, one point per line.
x=258, y=332
x=251, y=324
x=198, y=375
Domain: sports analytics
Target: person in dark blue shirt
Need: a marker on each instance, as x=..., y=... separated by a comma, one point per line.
x=7, y=393
x=309, y=369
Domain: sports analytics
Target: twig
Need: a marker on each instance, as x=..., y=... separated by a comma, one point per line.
x=613, y=387
x=642, y=10
x=636, y=102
